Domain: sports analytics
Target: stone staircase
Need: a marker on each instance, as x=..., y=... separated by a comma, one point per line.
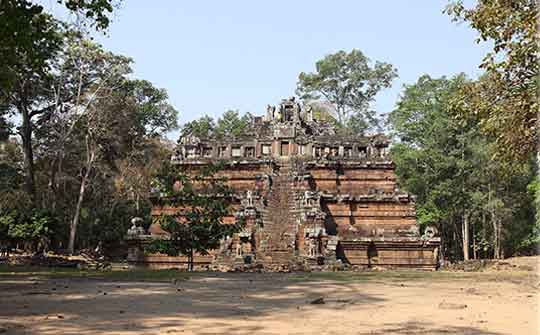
x=279, y=220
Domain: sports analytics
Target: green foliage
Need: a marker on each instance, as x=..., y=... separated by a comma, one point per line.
x=96, y=10
x=154, y=113
x=230, y=124
x=202, y=199
x=98, y=109
x=31, y=38
x=202, y=127
x=505, y=99
x=446, y=161
x=27, y=227
x=349, y=83
x=532, y=241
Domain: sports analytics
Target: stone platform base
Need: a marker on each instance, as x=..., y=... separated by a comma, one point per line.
x=395, y=252
x=400, y=252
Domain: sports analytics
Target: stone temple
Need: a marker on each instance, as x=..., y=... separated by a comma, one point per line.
x=309, y=196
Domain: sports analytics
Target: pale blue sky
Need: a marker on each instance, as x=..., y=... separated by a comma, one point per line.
x=217, y=55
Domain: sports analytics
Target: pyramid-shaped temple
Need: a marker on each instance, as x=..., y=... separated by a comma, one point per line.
x=309, y=196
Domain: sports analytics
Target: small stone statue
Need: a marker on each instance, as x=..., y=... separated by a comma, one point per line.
x=249, y=198
x=270, y=112
x=238, y=249
x=430, y=232
x=136, y=227
x=132, y=231
x=309, y=110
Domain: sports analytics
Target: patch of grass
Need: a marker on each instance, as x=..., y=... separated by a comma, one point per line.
x=131, y=275
x=389, y=276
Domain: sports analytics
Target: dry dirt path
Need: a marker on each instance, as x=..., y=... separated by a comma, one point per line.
x=215, y=303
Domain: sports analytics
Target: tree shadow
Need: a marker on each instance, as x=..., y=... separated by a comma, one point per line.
x=220, y=303
x=89, y=306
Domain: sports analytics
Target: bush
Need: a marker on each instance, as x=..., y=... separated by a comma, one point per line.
x=34, y=229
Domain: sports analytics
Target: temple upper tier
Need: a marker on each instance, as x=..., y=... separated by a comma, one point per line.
x=285, y=131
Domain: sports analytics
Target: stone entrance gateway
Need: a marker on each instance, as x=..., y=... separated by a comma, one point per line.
x=310, y=196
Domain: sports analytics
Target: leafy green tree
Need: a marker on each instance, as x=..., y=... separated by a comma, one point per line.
x=505, y=99
x=349, y=82
x=202, y=200
x=81, y=70
x=35, y=228
x=446, y=161
x=97, y=117
x=203, y=127
x=29, y=37
x=231, y=124
x=155, y=115
x=75, y=101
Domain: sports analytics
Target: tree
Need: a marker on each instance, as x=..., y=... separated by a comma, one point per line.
x=90, y=137
x=125, y=117
x=85, y=75
x=505, y=99
x=29, y=36
x=349, y=83
x=201, y=201
x=71, y=84
x=477, y=202
x=203, y=127
x=33, y=229
x=137, y=169
x=155, y=115
x=30, y=40
x=98, y=116
x=230, y=124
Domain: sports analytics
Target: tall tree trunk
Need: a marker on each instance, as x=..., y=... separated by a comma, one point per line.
x=474, y=248
x=455, y=241
x=484, y=234
x=26, y=137
x=495, y=237
x=442, y=250
x=493, y=224
x=465, y=236
x=75, y=221
x=497, y=226
x=137, y=204
x=190, y=260
x=52, y=183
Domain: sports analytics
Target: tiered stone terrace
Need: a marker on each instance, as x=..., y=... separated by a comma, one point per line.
x=309, y=195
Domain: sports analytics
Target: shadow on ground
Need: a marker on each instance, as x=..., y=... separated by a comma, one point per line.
x=91, y=306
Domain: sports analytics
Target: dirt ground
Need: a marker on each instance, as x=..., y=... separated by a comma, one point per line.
x=397, y=302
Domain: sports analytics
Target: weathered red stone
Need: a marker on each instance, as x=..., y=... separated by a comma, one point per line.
x=311, y=196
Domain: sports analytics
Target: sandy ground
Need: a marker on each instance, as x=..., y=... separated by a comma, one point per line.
x=244, y=303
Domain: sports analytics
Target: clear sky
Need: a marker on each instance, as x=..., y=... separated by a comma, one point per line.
x=217, y=55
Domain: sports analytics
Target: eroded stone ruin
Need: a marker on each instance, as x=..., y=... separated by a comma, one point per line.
x=308, y=195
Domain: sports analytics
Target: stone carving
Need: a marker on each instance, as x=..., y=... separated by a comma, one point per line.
x=249, y=199
x=136, y=228
x=430, y=232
